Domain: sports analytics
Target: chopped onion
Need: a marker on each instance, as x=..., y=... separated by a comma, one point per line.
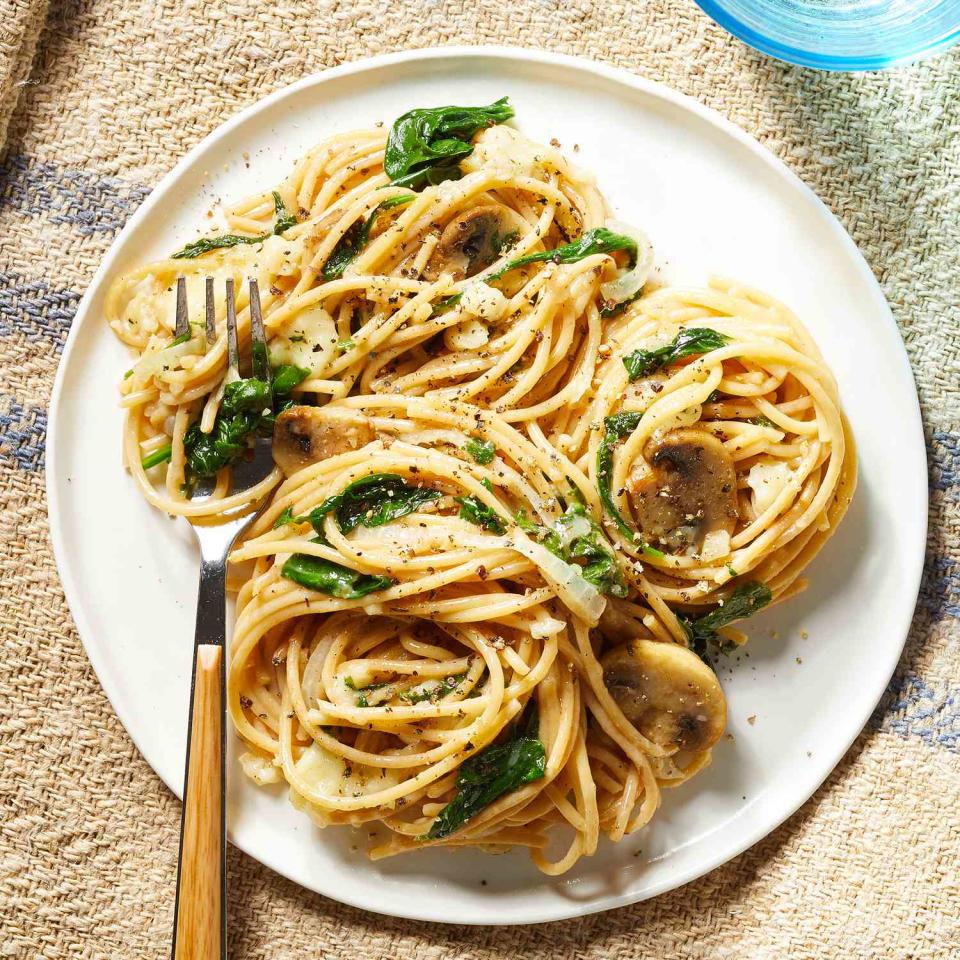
x=259, y=769
x=322, y=770
x=151, y=364
x=767, y=479
x=716, y=544
x=631, y=282
x=502, y=148
x=548, y=627
x=331, y=775
x=583, y=599
x=306, y=341
x=666, y=768
x=483, y=301
x=576, y=528
x=469, y=335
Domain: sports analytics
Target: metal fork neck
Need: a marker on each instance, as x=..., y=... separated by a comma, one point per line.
x=216, y=540
x=211, y=607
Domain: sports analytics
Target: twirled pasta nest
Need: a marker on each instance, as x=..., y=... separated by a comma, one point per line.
x=458, y=604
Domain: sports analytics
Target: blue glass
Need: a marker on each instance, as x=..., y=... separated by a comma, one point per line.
x=841, y=34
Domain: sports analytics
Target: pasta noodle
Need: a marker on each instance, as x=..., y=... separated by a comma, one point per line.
x=475, y=624
x=520, y=495
x=772, y=403
x=527, y=348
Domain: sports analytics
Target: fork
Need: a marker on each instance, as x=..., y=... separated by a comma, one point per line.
x=200, y=911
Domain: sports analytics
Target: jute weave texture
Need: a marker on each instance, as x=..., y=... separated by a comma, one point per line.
x=98, y=98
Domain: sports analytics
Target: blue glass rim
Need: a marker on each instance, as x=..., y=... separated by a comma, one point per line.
x=821, y=61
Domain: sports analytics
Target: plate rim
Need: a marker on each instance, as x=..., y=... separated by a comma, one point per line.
x=721, y=854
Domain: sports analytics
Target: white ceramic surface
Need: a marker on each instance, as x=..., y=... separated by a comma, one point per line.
x=712, y=200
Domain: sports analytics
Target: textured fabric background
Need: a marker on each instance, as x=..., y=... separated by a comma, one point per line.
x=117, y=92
x=20, y=24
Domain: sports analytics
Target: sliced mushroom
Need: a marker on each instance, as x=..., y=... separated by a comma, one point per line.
x=686, y=489
x=667, y=692
x=469, y=243
x=305, y=435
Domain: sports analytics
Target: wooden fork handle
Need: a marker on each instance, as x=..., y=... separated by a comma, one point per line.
x=198, y=931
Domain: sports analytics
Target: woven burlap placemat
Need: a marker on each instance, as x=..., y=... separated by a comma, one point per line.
x=105, y=100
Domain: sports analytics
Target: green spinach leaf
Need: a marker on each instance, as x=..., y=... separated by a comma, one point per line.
x=286, y=516
x=286, y=377
x=433, y=693
x=208, y=453
x=690, y=341
x=160, y=455
x=426, y=145
x=204, y=245
x=284, y=220
x=577, y=536
x=373, y=501
x=324, y=576
x=493, y=772
x=476, y=511
x=445, y=304
x=362, y=692
x=600, y=567
x=616, y=428
x=240, y=416
x=244, y=396
x=357, y=237
x=745, y=601
x=197, y=248
x=249, y=406
x=482, y=451
x=542, y=534
x=598, y=240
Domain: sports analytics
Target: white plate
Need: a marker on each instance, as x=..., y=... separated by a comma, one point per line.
x=712, y=200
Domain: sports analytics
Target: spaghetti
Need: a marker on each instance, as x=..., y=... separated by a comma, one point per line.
x=374, y=288
x=369, y=703
x=720, y=468
x=519, y=498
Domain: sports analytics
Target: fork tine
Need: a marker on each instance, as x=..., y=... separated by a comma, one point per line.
x=211, y=314
x=258, y=341
x=233, y=354
x=183, y=321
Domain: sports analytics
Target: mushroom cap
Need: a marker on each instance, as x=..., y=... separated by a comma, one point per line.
x=469, y=243
x=685, y=489
x=667, y=692
x=304, y=435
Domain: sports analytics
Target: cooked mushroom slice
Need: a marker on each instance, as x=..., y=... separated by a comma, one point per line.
x=686, y=489
x=667, y=692
x=468, y=244
x=305, y=435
